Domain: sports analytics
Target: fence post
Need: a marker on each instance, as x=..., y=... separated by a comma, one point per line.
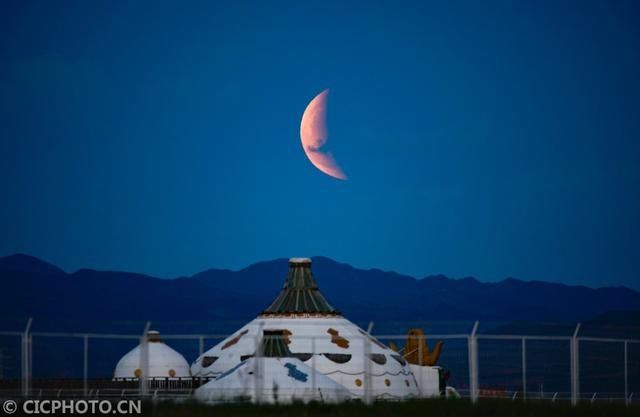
x=368, y=397
x=472, y=343
x=144, y=359
x=85, y=369
x=259, y=371
x=419, y=341
x=524, y=368
x=575, y=367
x=313, y=365
x=26, y=357
x=626, y=372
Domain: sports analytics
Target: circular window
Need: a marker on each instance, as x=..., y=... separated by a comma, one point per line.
x=172, y=373
x=208, y=361
x=378, y=358
x=338, y=357
x=400, y=359
x=387, y=382
x=138, y=372
x=358, y=383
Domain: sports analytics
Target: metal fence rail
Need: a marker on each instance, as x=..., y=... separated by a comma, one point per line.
x=523, y=367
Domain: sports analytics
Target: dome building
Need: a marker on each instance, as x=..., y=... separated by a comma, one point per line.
x=164, y=362
x=319, y=337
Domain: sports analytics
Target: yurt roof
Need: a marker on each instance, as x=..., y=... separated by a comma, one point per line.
x=163, y=361
x=312, y=331
x=274, y=344
x=300, y=294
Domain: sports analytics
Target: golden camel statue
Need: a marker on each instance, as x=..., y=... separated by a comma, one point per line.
x=416, y=351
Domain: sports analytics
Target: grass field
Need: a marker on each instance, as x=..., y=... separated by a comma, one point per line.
x=426, y=408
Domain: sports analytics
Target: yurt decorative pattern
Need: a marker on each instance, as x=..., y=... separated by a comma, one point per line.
x=275, y=377
x=320, y=338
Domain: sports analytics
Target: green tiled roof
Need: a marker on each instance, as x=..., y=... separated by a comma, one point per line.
x=300, y=293
x=274, y=344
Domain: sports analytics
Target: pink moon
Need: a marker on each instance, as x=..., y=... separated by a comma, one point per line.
x=314, y=136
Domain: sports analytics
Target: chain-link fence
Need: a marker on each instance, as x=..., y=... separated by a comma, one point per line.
x=568, y=367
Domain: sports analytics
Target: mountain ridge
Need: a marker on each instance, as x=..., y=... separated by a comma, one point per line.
x=21, y=257
x=34, y=287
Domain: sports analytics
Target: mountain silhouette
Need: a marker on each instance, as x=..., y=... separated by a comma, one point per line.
x=34, y=288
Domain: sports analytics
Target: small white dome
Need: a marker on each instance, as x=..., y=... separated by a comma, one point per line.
x=164, y=362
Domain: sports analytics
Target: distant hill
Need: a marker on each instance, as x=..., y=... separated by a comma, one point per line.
x=31, y=287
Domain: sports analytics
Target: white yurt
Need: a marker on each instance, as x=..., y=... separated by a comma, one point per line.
x=163, y=362
x=275, y=376
x=320, y=338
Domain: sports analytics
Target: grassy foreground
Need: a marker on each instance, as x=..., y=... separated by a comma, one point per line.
x=426, y=408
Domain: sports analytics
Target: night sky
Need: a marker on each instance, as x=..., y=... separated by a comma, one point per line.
x=491, y=139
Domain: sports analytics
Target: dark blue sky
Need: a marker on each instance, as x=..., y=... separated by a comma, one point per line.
x=491, y=139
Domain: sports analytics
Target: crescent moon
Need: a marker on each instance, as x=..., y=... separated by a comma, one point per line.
x=314, y=137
